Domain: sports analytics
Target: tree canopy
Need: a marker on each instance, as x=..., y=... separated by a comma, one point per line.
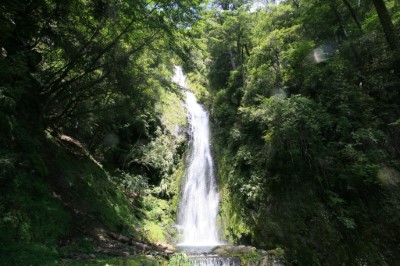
x=304, y=100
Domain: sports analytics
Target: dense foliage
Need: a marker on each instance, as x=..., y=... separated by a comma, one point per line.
x=305, y=104
x=90, y=78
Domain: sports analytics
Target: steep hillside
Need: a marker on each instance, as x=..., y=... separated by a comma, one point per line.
x=58, y=203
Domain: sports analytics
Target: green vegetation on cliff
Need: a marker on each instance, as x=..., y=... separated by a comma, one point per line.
x=304, y=97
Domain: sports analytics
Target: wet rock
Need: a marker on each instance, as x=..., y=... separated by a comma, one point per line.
x=229, y=250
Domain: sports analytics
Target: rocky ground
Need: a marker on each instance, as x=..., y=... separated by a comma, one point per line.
x=110, y=244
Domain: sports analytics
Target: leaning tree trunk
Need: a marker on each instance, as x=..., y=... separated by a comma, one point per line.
x=387, y=24
x=341, y=25
x=353, y=14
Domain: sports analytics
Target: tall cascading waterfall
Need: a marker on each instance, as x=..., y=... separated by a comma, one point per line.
x=199, y=204
x=198, y=208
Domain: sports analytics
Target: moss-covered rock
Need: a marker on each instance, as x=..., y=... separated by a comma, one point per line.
x=227, y=250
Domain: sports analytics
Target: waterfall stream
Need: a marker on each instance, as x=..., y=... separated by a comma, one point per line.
x=198, y=208
x=199, y=203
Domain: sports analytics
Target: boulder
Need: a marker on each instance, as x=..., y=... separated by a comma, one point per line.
x=164, y=246
x=227, y=250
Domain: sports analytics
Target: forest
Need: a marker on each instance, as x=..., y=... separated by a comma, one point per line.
x=304, y=103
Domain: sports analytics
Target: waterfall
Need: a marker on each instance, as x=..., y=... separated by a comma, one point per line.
x=198, y=208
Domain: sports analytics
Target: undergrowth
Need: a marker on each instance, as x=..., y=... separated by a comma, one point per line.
x=64, y=193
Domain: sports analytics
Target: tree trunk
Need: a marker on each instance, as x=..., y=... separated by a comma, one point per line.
x=297, y=5
x=353, y=13
x=342, y=30
x=232, y=59
x=277, y=67
x=387, y=24
x=242, y=68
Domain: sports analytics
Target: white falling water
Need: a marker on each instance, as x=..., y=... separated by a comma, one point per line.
x=199, y=204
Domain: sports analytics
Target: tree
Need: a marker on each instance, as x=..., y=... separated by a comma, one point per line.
x=387, y=25
x=353, y=14
x=231, y=4
x=303, y=141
